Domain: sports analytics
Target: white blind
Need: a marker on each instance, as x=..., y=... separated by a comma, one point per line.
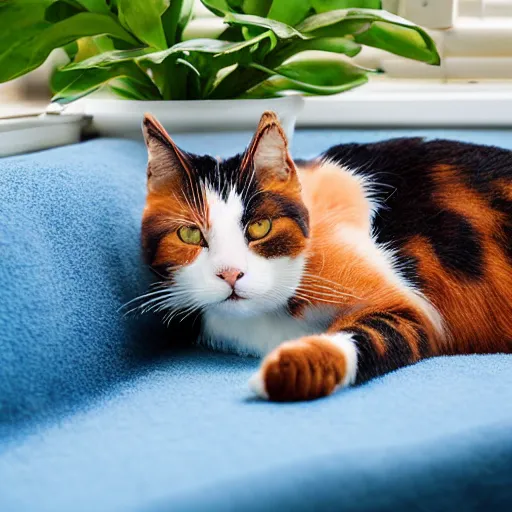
x=491, y=8
x=475, y=45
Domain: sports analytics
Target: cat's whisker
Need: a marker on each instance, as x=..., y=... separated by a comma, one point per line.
x=321, y=299
x=192, y=311
x=217, y=168
x=317, y=296
x=165, y=283
x=322, y=293
x=255, y=195
x=195, y=219
x=172, y=298
x=325, y=289
x=158, y=300
x=193, y=188
x=187, y=310
x=148, y=306
x=313, y=279
x=248, y=184
x=141, y=297
x=158, y=285
x=201, y=199
x=309, y=291
x=327, y=281
x=193, y=212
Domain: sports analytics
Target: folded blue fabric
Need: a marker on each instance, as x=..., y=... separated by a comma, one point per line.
x=69, y=258
x=96, y=415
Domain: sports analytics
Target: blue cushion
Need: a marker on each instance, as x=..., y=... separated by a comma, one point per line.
x=96, y=415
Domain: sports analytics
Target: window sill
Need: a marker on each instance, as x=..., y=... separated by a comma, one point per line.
x=414, y=103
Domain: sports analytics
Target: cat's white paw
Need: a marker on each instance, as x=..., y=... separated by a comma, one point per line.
x=257, y=385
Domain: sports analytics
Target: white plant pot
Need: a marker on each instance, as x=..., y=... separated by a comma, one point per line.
x=122, y=118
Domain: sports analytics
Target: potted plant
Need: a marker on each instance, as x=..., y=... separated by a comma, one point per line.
x=136, y=49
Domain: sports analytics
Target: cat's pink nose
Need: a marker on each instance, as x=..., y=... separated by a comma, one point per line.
x=231, y=276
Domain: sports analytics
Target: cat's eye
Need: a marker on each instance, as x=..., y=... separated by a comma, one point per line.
x=259, y=229
x=190, y=235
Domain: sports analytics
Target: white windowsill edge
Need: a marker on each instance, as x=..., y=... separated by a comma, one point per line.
x=413, y=104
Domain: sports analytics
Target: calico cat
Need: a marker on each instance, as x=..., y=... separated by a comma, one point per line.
x=335, y=270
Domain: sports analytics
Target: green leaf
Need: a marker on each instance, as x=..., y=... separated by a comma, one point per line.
x=232, y=34
x=256, y=7
x=332, y=5
x=21, y=18
x=71, y=50
x=401, y=41
x=91, y=46
x=61, y=10
x=72, y=85
x=126, y=89
x=219, y=54
x=143, y=18
x=218, y=7
x=335, y=23
x=283, y=12
x=374, y=28
x=106, y=59
x=242, y=79
x=140, y=89
x=99, y=6
x=310, y=76
x=330, y=20
x=281, y=30
x=175, y=19
x=207, y=56
x=28, y=52
x=340, y=45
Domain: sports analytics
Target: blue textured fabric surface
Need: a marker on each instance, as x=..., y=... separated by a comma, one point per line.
x=94, y=415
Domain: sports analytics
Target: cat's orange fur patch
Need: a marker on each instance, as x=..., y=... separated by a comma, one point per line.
x=165, y=213
x=478, y=313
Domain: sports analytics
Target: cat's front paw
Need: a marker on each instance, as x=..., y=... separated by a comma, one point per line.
x=307, y=368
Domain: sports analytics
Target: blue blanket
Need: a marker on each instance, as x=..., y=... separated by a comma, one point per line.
x=102, y=412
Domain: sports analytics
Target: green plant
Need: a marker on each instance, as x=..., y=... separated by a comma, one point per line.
x=137, y=49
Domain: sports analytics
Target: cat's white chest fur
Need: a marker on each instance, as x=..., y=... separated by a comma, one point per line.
x=258, y=335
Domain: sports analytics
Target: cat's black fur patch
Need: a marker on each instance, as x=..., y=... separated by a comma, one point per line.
x=402, y=172
x=283, y=206
x=276, y=246
x=222, y=175
x=407, y=266
x=370, y=362
x=456, y=244
x=153, y=235
x=413, y=321
x=225, y=175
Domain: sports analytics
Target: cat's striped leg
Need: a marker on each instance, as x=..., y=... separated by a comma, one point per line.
x=353, y=352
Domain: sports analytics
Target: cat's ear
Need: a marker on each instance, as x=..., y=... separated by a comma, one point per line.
x=166, y=162
x=268, y=152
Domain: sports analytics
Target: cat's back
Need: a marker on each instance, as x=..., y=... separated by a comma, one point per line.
x=437, y=189
x=445, y=208
x=421, y=167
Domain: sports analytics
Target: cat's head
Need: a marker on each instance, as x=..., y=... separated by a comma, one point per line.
x=225, y=235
